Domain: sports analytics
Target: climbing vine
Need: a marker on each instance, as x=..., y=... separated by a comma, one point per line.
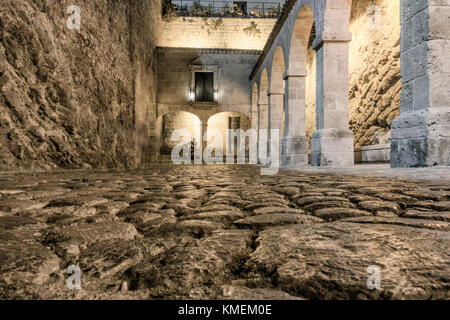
x=213, y=24
x=253, y=30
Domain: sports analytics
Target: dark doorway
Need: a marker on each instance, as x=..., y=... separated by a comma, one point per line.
x=204, y=86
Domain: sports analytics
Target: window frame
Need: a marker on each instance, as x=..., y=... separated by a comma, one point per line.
x=215, y=69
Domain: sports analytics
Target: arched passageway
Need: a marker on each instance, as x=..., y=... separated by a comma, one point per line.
x=276, y=101
x=219, y=134
x=298, y=79
x=168, y=123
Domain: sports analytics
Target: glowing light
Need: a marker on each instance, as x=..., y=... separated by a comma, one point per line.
x=216, y=95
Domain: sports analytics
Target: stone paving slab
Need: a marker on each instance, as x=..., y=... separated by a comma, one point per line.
x=225, y=232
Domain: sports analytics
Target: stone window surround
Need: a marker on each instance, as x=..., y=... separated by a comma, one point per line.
x=215, y=69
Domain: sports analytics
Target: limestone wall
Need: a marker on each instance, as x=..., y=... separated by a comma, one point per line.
x=375, y=86
x=68, y=97
x=145, y=20
x=229, y=33
x=174, y=121
x=310, y=92
x=174, y=78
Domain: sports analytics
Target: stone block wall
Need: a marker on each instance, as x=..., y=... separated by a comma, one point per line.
x=71, y=98
x=226, y=33
x=421, y=134
x=220, y=123
x=174, y=79
x=174, y=121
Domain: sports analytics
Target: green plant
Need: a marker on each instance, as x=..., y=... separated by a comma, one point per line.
x=252, y=30
x=170, y=11
x=214, y=25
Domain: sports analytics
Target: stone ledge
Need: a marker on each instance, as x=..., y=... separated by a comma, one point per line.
x=379, y=153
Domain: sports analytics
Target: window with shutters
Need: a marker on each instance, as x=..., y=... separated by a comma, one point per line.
x=204, y=87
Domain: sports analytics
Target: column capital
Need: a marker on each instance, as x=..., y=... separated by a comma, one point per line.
x=331, y=37
x=288, y=75
x=274, y=93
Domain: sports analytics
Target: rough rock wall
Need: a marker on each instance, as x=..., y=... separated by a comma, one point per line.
x=375, y=85
x=145, y=22
x=68, y=97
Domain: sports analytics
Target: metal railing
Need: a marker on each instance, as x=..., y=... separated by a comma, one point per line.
x=231, y=9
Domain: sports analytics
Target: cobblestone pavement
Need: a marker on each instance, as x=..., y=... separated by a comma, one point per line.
x=222, y=232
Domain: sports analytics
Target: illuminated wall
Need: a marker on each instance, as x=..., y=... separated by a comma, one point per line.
x=175, y=78
x=220, y=123
x=310, y=92
x=174, y=121
x=375, y=86
x=229, y=33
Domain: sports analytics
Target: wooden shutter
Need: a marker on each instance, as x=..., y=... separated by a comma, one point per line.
x=204, y=86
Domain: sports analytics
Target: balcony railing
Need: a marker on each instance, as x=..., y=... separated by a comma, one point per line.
x=231, y=9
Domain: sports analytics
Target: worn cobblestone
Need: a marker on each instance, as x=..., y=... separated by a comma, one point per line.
x=224, y=232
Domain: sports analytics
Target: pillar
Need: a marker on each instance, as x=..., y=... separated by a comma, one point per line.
x=295, y=142
x=201, y=145
x=263, y=124
x=332, y=143
x=276, y=104
x=420, y=136
x=255, y=126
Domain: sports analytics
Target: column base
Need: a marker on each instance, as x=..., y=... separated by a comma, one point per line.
x=420, y=139
x=294, y=151
x=332, y=147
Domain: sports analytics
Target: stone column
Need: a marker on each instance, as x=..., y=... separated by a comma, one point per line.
x=295, y=142
x=420, y=136
x=276, y=105
x=255, y=126
x=200, y=148
x=263, y=124
x=332, y=143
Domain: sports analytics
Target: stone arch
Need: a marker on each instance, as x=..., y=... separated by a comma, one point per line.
x=277, y=71
x=222, y=121
x=276, y=95
x=167, y=122
x=295, y=143
x=300, y=38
